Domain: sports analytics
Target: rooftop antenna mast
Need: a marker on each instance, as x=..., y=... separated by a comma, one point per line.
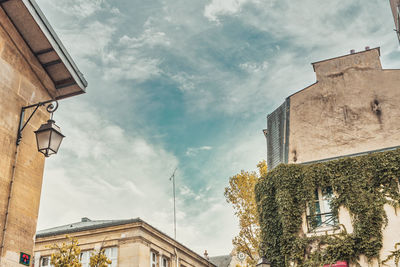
x=173, y=184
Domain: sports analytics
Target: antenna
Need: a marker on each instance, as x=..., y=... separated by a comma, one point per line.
x=173, y=184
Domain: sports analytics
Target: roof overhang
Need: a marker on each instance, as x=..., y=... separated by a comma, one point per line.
x=39, y=36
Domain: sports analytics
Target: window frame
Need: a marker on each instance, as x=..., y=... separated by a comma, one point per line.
x=167, y=260
x=327, y=219
x=41, y=261
x=87, y=254
x=110, y=256
x=153, y=263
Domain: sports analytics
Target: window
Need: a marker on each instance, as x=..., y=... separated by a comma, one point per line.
x=153, y=259
x=45, y=261
x=85, y=258
x=112, y=254
x=164, y=262
x=323, y=217
x=277, y=135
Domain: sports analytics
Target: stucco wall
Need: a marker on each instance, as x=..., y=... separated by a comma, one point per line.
x=18, y=87
x=352, y=108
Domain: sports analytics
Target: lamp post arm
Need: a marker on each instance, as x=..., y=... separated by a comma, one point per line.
x=50, y=108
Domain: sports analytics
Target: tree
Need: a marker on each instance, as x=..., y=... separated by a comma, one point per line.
x=240, y=193
x=66, y=255
x=99, y=258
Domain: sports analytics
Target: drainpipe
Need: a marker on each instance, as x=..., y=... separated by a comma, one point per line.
x=10, y=189
x=176, y=258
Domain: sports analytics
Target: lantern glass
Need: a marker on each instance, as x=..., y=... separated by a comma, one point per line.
x=49, y=138
x=43, y=139
x=55, y=141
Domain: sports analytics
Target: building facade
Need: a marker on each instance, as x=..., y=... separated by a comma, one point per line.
x=395, y=5
x=351, y=110
x=128, y=243
x=34, y=67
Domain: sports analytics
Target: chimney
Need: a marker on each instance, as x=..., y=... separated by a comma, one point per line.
x=206, y=255
x=366, y=48
x=352, y=51
x=85, y=219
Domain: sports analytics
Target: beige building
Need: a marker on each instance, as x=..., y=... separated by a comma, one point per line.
x=131, y=242
x=352, y=109
x=395, y=5
x=34, y=67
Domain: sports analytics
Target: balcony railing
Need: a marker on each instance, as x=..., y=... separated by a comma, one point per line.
x=321, y=222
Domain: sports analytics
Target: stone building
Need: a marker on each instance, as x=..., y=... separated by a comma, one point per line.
x=395, y=5
x=131, y=242
x=351, y=110
x=34, y=67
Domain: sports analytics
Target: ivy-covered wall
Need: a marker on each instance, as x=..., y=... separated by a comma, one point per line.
x=363, y=185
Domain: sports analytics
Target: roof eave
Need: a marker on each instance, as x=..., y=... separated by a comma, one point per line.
x=56, y=43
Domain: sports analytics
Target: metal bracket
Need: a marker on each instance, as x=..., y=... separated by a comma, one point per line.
x=50, y=108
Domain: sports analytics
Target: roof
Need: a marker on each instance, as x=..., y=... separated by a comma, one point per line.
x=221, y=261
x=347, y=55
x=87, y=224
x=36, y=31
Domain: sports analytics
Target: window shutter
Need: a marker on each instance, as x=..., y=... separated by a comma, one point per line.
x=278, y=135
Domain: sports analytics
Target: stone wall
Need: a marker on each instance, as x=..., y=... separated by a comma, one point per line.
x=19, y=86
x=134, y=241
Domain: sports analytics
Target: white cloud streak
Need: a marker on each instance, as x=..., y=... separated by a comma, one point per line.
x=116, y=171
x=193, y=151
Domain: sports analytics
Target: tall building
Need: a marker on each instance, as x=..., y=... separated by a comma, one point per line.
x=351, y=109
x=127, y=243
x=34, y=67
x=395, y=5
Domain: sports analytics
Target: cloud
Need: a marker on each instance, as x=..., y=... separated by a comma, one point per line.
x=223, y=7
x=79, y=8
x=185, y=81
x=100, y=169
x=127, y=66
x=128, y=59
x=149, y=38
x=254, y=66
x=163, y=73
x=89, y=40
x=193, y=151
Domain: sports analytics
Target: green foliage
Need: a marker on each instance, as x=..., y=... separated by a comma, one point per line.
x=361, y=184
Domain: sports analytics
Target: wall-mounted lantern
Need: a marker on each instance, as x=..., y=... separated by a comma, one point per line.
x=48, y=136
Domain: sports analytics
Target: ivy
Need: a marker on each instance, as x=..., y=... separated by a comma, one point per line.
x=362, y=185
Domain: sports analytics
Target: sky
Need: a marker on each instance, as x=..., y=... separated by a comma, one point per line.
x=186, y=84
